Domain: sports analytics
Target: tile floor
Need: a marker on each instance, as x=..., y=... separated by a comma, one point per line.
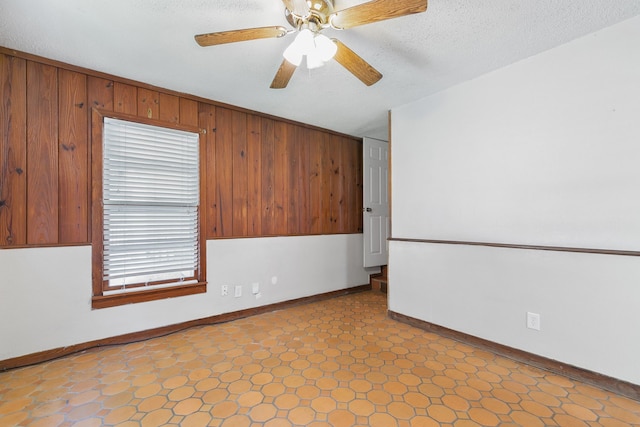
x=340, y=362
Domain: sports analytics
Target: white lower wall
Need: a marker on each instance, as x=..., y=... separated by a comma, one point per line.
x=45, y=293
x=588, y=303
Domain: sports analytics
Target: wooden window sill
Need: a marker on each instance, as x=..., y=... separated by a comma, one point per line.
x=113, y=300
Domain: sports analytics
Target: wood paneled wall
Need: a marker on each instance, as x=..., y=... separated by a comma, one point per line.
x=264, y=176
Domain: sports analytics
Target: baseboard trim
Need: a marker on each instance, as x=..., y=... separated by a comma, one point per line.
x=605, y=382
x=43, y=356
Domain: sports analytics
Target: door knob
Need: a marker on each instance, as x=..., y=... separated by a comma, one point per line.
x=367, y=210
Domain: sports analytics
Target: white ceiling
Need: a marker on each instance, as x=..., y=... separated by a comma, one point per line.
x=152, y=41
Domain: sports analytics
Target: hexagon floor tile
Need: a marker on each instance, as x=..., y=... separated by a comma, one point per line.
x=339, y=362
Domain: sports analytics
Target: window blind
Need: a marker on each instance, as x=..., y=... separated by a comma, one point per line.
x=150, y=203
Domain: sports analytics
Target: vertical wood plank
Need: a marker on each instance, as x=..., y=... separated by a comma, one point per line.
x=280, y=179
x=13, y=151
x=169, y=108
x=268, y=177
x=125, y=98
x=326, y=218
x=148, y=103
x=100, y=93
x=303, y=181
x=224, y=171
x=42, y=154
x=254, y=176
x=344, y=185
x=73, y=154
x=336, y=184
x=293, y=184
x=359, y=187
x=315, y=182
x=207, y=123
x=348, y=185
x=239, y=178
x=189, y=112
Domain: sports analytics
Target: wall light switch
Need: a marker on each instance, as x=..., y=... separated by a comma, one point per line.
x=238, y=291
x=255, y=288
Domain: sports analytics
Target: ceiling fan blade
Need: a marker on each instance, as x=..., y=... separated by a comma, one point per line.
x=374, y=11
x=233, y=36
x=281, y=80
x=355, y=64
x=298, y=7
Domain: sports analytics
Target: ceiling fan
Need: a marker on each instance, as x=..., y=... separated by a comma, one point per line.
x=308, y=18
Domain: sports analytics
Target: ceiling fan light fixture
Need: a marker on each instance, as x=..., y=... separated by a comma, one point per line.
x=301, y=45
x=293, y=54
x=318, y=49
x=314, y=60
x=305, y=41
x=325, y=47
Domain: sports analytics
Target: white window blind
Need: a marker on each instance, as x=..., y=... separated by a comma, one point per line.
x=150, y=197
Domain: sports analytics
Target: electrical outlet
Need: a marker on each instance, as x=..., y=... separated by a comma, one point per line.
x=224, y=290
x=238, y=291
x=533, y=321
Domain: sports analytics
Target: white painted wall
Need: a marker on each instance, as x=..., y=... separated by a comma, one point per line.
x=45, y=293
x=543, y=152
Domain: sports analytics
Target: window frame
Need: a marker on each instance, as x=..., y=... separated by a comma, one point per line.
x=155, y=292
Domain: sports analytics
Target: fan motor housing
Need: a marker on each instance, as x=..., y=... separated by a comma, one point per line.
x=320, y=11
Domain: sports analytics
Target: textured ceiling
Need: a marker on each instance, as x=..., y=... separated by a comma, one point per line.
x=152, y=41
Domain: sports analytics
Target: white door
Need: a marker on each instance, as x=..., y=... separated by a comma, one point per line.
x=375, y=201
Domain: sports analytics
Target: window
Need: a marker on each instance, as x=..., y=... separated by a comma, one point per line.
x=148, y=244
